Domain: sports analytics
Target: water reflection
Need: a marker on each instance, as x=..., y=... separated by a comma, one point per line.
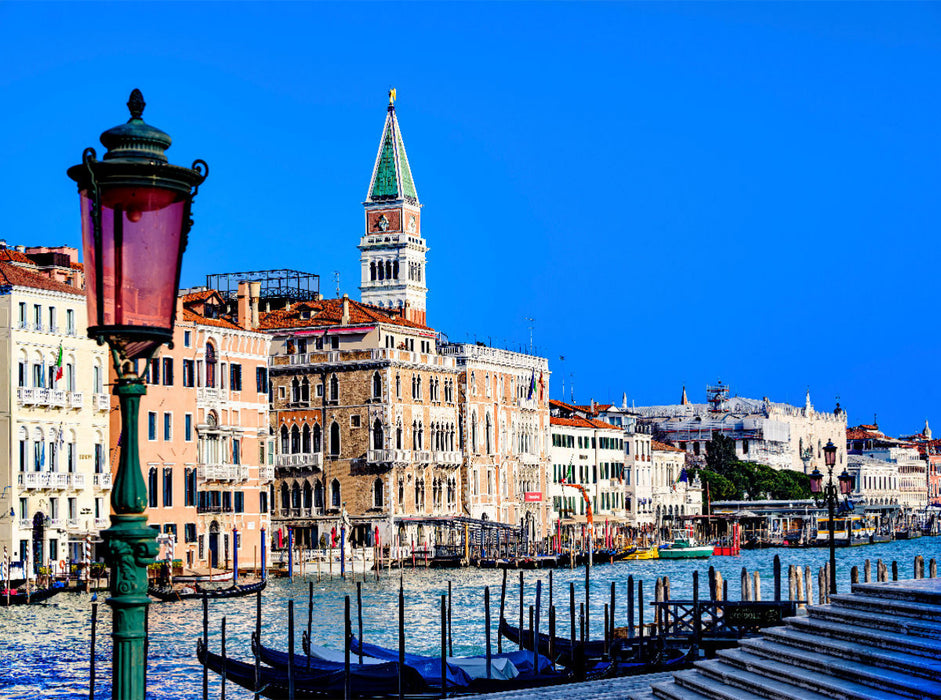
x=44, y=650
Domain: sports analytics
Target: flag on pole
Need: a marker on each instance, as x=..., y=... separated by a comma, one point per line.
x=59, y=364
x=532, y=385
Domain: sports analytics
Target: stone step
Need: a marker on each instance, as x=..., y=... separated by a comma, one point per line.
x=875, y=638
x=890, y=606
x=876, y=621
x=763, y=671
x=922, y=590
x=702, y=685
x=899, y=682
x=719, y=673
x=855, y=651
x=675, y=691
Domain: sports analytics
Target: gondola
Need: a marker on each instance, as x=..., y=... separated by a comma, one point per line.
x=561, y=647
x=37, y=595
x=171, y=595
x=313, y=684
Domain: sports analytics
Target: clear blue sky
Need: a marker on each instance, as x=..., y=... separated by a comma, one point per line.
x=675, y=193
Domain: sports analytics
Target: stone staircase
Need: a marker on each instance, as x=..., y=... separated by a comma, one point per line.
x=881, y=641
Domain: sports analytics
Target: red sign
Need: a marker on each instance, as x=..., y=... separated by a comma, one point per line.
x=532, y=496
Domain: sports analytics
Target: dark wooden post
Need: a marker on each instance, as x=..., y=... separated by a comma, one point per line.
x=522, y=627
x=777, y=579
x=502, y=604
x=258, y=643
x=359, y=617
x=347, y=634
x=401, y=637
x=444, y=646
x=572, y=614
x=607, y=631
x=611, y=613
x=290, y=650
x=640, y=606
x=536, y=629
x=450, y=638
x=222, y=696
x=713, y=587
x=895, y=570
x=587, y=600
x=630, y=606
x=487, y=627
x=205, y=645
x=697, y=615
x=94, y=631
x=552, y=635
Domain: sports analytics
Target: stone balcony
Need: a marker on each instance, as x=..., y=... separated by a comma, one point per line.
x=72, y=524
x=102, y=481
x=59, y=481
x=421, y=456
x=102, y=402
x=76, y=399
x=102, y=523
x=77, y=481
x=388, y=456
x=25, y=524
x=221, y=472
x=56, y=524
x=265, y=474
x=528, y=458
x=529, y=404
x=210, y=395
x=35, y=480
x=300, y=459
x=57, y=398
x=27, y=397
x=452, y=457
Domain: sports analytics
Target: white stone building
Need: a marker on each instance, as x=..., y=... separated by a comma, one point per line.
x=55, y=479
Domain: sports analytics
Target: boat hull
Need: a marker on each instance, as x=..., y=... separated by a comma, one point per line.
x=686, y=552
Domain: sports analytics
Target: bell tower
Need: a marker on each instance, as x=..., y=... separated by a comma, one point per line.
x=392, y=250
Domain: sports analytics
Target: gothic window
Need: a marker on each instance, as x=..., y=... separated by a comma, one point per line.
x=489, y=434
x=372, y=271
x=305, y=390
x=295, y=390
x=334, y=388
x=335, y=493
x=316, y=438
x=305, y=439
x=335, y=439
x=473, y=429
x=376, y=386
x=378, y=438
x=388, y=269
x=285, y=497
x=395, y=269
x=210, y=365
x=295, y=440
x=414, y=435
x=398, y=435
x=295, y=496
x=318, y=496
x=398, y=386
x=308, y=496
x=377, y=493
x=421, y=436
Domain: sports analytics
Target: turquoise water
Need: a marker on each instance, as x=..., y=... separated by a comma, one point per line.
x=44, y=649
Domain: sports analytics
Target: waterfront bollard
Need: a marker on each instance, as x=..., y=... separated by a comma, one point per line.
x=881, y=572
x=791, y=583
x=809, y=586
x=745, y=586
x=630, y=606
x=359, y=617
x=502, y=603
x=607, y=629
x=919, y=566
x=91, y=666
x=532, y=636
x=719, y=586
x=310, y=616
x=713, y=588
x=867, y=572
x=450, y=638
x=822, y=584
x=257, y=637
x=487, y=627
x=550, y=589
x=536, y=628
x=521, y=611
x=444, y=646
x=640, y=607
x=224, y=669
x=725, y=590
x=572, y=613
x=205, y=645
x=291, y=650
x=666, y=588
x=854, y=575
x=611, y=622
x=401, y=638
x=552, y=635
x=347, y=635
x=799, y=585
x=588, y=599
x=777, y=579
x=697, y=615
x=933, y=568
x=757, y=589
x=895, y=570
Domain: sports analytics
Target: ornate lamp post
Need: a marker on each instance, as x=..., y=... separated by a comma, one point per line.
x=136, y=215
x=831, y=495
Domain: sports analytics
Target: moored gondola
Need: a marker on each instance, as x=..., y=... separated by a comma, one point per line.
x=37, y=595
x=171, y=594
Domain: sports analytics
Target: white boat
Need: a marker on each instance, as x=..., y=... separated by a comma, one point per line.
x=848, y=530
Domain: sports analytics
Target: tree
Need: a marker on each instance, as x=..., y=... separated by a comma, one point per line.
x=720, y=454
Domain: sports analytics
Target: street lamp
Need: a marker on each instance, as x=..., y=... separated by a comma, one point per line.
x=136, y=215
x=831, y=495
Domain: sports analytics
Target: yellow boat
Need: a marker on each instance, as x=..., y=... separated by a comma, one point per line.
x=651, y=553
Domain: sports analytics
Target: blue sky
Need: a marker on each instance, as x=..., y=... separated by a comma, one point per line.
x=676, y=193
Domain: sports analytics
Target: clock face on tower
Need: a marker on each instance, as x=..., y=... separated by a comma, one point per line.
x=411, y=223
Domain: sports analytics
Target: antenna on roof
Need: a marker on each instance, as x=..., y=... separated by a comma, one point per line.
x=336, y=278
x=531, y=321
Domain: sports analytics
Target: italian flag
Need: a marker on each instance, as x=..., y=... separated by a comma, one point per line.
x=59, y=364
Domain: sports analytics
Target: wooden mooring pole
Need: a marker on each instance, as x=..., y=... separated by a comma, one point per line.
x=91, y=667
x=487, y=627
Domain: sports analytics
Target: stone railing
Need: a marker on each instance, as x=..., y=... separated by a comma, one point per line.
x=27, y=397
x=221, y=472
x=447, y=457
x=103, y=481
x=60, y=481
x=76, y=399
x=26, y=524
x=528, y=458
x=265, y=474
x=422, y=456
x=529, y=404
x=58, y=398
x=57, y=524
x=102, y=402
x=303, y=459
x=72, y=524
x=102, y=523
x=77, y=481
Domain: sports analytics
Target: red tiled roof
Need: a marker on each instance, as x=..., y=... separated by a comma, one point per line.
x=77, y=266
x=193, y=317
x=12, y=255
x=579, y=422
x=857, y=434
x=329, y=312
x=868, y=427
x=199, y=296
x=663, y=447
x=21, y=277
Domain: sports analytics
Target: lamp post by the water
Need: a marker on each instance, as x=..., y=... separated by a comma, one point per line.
x=831, y=496
x=135, y=210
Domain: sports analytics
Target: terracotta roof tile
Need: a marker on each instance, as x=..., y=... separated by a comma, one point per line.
x=11, y=255
x=579, y=422
x=193, y=317
x=329, y=312
x=857, y=434
x=20, y=277
x=199, y=296
x=663, y=447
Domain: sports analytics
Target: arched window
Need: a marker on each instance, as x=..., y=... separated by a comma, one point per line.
x=398, y=385
x=285, y=497
x=414, y=435
x=285, y=440
x=295, y=440
x=398, y=435
x=489, y=434
x=334, y=388
x=388, y=269
x=378, y=439
x=305, y=390
x=318, y=496
x=305, y=439
x=210, y=365
x=372, y=271
x=316, y=441
x=473, y=430
x=335, y=439
x=295, y=390
x=295, y=496
x=376, y=386
x=377, y=493
x=308, y=496
x=335, y=492
x=381, y=269
x=395, y=269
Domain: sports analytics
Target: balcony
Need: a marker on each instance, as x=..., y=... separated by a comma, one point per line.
x=102, y=402
x=387, y=456
x=527, y=458
x=72, y=524
x=59, y=481
x=221, y=472
x=448, y=457
x=102, y=523
x=102, y=481
x=528, y=404
x=26, y=524
x=56, y=524
x=57, y=398
x=27, y=397
x=422, y=456
x=299, y=359
x=35, y=480
x=207, y=394
x=302, y=459
x=77, y=481
x=265, y=474
x=76, y=399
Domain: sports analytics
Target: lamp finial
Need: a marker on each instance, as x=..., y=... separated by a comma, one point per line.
x=136, y=104
x=392, y=97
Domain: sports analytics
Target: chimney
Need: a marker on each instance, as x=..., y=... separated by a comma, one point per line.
x=3, y=245
x=254, y=297
x=345, y=319
x=593, y=406
x=244, y=306
x=21, y=248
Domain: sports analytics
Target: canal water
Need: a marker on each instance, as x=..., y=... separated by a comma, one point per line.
x=44, y=649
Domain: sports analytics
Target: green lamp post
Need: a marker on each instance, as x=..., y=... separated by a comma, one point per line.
x=136, y=215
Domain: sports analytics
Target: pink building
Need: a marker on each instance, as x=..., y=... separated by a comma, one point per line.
x=204, y=434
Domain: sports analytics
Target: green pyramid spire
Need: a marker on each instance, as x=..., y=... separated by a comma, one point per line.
x=392, y=177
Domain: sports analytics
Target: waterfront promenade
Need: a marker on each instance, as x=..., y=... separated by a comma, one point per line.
x=44, y=649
